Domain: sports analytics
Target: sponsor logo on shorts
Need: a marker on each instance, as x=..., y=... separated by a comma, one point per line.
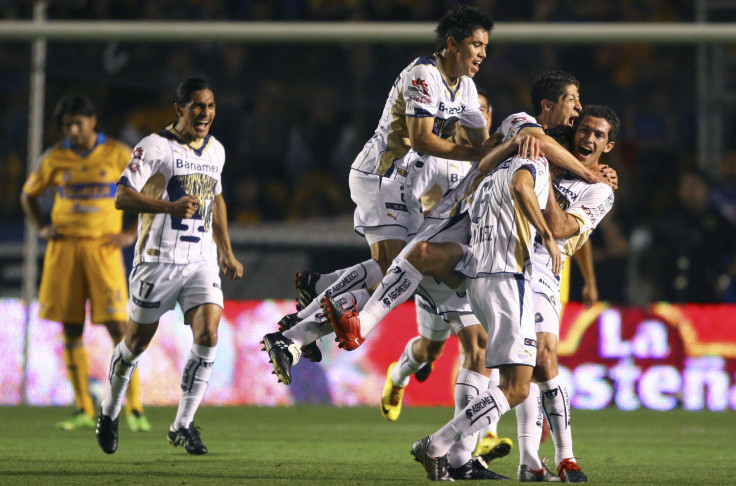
x=397, y=207
x=146, y=305
x=538, y=317
x=153, y=252
x=216, y=285
x=530, y=342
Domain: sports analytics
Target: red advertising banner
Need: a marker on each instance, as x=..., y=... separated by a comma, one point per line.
x=660, y=357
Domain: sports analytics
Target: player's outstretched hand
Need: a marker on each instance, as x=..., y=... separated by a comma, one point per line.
x=230, y=265
x=554, y=252
x=605, y=174
x=184, y=207
x=529, y=147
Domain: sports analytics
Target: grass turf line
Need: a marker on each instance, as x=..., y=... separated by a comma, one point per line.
x=322, y=445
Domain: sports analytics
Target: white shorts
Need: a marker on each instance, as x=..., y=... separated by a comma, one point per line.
x=155, y=288
x=384, y=204
x=503, y=303
x=437, y=327
x=546, y=301
x=453, y=230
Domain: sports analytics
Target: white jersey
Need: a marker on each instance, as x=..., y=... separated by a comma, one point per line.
x=588, y=204
x=502, y=238
x=421, y=90
x=166, y=167
x=438, y=177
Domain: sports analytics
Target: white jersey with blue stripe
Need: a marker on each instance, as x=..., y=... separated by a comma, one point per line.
x=421, y=90
x=502, y=238
x=166, y=167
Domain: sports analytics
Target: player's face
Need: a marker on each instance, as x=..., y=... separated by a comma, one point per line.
x=567, y=108
x=471, y=51
x=591, y=139
x=80, y=131
x=486, y=110
x=196, y=117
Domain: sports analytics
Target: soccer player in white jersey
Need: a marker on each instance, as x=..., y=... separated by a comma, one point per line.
x=556, y=101
x=574, y=209
x=505, y=216
x=432, y=109
x=173, y=181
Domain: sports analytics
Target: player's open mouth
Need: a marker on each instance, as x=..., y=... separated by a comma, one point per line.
x=584, y=151
x=201, y=125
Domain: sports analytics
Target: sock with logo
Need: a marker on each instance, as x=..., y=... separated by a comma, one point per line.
x=407, y=364
x=468, y=385
x=194, y=381
x=529, y=428
x=399, y=283
x=556, y=408
x=487, y=407
x=122, y=365
x=364, y=275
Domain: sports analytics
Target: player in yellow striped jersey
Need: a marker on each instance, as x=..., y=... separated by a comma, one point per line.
x=83, y=260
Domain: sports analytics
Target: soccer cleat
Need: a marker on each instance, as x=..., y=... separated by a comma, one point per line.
x=283, y=354
x=344, y=322
x=107, y=433
x=436, y=467
x=475, y=468
x=137, y=422
x=310, y=351
x=305, y=284
x=423, y=372
x=492, y=447
x=187, y=437
x=391, y=397
x=79, y=420
x=570, y=472
x=529, y=475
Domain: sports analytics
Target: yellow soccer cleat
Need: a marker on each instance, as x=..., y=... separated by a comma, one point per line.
x=79, y=420
x=391, y=397
x=137, y=422
x=492, y=447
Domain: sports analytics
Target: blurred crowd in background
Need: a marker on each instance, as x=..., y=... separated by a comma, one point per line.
x=292, y=118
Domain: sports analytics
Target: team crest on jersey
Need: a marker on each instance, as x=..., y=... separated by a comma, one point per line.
x=419, y=85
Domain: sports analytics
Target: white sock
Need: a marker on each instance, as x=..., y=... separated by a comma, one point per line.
x=468, y=385
x=364, y=275
x=327, y=279
x=194, y=381
x=122, y=366
x=487, y=407
x=408, y=365
x=493, y=381
x=400, y=282
x=529, y=428
x=315, y=326
x=556, y=408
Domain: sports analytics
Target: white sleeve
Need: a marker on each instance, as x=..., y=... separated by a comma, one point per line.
x=592, y=205
x=512, y=124
x=471, y=116
x=145, y=161
x=421, y=86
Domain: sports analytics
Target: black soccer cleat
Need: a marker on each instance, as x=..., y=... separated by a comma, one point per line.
x=283, y=354
x=475, y=468
x=107, y=433
x=187, y=437
x=310, y=351
x=436, y=468
x=305, y=283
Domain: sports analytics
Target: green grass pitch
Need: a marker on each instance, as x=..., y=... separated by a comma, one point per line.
x=322, y=445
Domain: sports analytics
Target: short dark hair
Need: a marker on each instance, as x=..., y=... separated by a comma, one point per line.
x=563, y=134
x=550, y=86
x=459, y=23
x=73, y=104
x=187, y=87
x=605, y=112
